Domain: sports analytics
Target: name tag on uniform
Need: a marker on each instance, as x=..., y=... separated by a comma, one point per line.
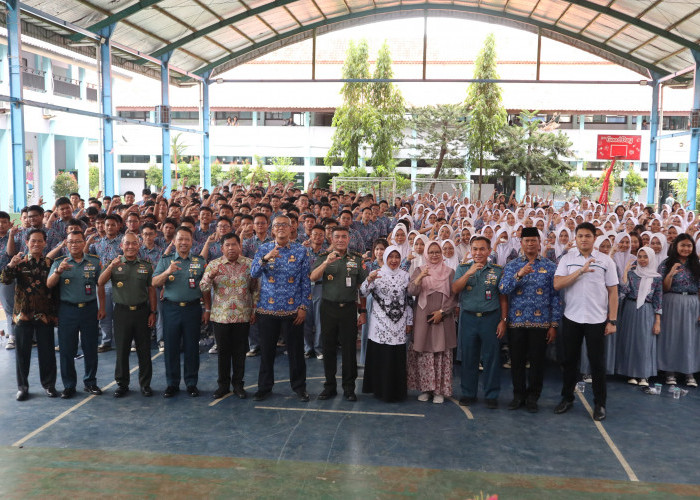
x=142, y=270
x=88, y=289
x=351, y=264
x=488, y=294
x=192, y=283
x=195, y=266
x=348, y=281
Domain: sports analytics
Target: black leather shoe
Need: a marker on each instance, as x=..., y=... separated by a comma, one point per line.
x=303, y=396
x=531, y=406
x=219, y=393
x=193, y=391
x=599, y=413
x=22, y=395
x=465, y=401
x=261, y=395
x=240, y=392
x=515, y=404
x=350, y=396
x=93, y=389
x=121, y=391
x=170, y=391
x=147, y=391
x=563, y=406
x=327, y=394
x=51, y=392
x=492, y=404
x=68, y=393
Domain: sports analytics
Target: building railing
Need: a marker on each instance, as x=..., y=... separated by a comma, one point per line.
x=33, y=79
x=66, y=86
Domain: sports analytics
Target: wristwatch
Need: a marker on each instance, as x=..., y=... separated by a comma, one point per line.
x=612, y=322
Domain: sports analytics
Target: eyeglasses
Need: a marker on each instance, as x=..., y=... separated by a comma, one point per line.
x=434, y=253
x=74, y=242
x=281, y=225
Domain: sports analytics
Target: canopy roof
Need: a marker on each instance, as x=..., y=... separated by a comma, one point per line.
x=206, y=37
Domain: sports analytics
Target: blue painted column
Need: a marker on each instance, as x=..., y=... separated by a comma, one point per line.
x=694, y=138
x=206, y=118
x=653, y=132
x=19, y=178
x=107, y=124
x=165, y=127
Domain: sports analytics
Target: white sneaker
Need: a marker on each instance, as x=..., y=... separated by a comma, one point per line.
x=133, y=347
x=10, y=344
x=643, y=382
x=161, y=346
x=690, y=381
x=587, y=378
x=438, y=399
x=632, y=381
x=252, y=353
x=424, y=396
x=670, y=380
x=319, y=355
x=214, y=349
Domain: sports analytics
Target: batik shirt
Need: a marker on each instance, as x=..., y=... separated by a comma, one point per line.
x=34, y=301
x=234, y=302
x=534, y=303
x=630, y=290
x=683, y=281
x=284, y=281
x=107, y=249
x=250, y=245
x=367, y=233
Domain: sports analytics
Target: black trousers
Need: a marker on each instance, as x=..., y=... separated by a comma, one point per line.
x=573, y=335
x=132, y=325
x=527, y=344
x=232, y=340
x=24, y=332
x=339, y=325
x=270, y=328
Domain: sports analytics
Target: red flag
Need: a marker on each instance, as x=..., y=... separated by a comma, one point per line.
x=603, y=198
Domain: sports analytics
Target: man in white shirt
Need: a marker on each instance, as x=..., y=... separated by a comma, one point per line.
x=589, y=280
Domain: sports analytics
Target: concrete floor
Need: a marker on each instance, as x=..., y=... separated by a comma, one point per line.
x=183, y=447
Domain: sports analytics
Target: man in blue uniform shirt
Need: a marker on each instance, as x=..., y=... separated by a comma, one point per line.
x=283, y=268
x=534, y=312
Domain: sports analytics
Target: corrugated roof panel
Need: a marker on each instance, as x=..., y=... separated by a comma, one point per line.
x=520, y=7
x=603, y=28
x=549, y=11
x=387, y=3
x=305, y=12
x=254, y=28
x=690, y=28
x=360, y=5
x=576, y=18
x=280, y=20
x=332, y=8
x=135, y=39
x=188, y=12
x=666, y=14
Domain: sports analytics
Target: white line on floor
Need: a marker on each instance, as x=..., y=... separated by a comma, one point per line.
x=357, y=412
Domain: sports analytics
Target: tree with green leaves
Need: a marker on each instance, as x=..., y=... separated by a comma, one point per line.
x=353, y=120
x=64, y=184
x=177, y=150
x=389, y=107
x=634, y=183
x=485, y=107
x=283, y=171
x=94, y=175
x=680, y=188
x=440, y=132
x=533, y=150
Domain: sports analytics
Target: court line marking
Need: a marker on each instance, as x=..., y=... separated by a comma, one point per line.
x=352, y=412
x=616, y=451
x=71, y=409
x=465, y=409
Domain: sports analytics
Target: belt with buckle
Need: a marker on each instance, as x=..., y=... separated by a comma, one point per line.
x=134, y=308
x=340, y=304
x=79, y=305
x=183, y=304
x=481, y=314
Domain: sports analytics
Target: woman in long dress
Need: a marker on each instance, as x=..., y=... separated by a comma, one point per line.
x=679, y=340
x=378, y=252
x=390, y=323
x=640, y=321
x=434, y=330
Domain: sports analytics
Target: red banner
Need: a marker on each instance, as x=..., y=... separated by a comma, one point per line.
x=619, y=147
x=603, y=198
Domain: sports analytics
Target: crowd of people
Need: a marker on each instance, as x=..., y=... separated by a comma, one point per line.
x=425, y=281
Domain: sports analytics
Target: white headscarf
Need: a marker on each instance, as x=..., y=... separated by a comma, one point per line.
x=646, y=275
x=453, y=261
x=419, y=259
x=403, y=248
x=386, y=271
x=559, y=248
x=664, y=245
x=622, y=258
x=503, y=250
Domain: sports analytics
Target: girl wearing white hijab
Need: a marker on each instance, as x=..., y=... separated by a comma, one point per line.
x=449, y=254
x=504, y=250
x=444, y=233
x=401, y=242
x=418, y=256
x=659, y=244
x=621, y=254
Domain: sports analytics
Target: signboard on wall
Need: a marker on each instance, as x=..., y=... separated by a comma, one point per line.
x=620, y=147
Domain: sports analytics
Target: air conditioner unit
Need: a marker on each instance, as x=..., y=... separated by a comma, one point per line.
x=48, y=113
